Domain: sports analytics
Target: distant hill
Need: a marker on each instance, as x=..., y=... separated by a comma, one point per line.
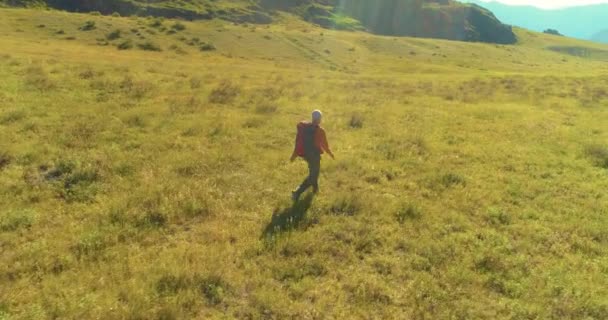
x=581, y=22
x=601, y=36
x=444, y=19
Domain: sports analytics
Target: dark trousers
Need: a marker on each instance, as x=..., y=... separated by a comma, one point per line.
x=314, y=169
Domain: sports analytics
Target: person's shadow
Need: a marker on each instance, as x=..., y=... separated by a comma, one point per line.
x=289, y=218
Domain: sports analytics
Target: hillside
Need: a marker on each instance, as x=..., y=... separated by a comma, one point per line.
x=580, y=22
x=443, y=19
x=144, y=172
x=601, y=36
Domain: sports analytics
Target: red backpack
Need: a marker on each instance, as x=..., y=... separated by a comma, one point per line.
x=305, y=139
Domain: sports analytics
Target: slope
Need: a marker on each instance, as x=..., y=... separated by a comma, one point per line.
x=444, y=19
x=579, y=22
x=139, y=183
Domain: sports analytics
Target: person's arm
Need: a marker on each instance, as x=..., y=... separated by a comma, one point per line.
x=294, y=155
x=325, y=145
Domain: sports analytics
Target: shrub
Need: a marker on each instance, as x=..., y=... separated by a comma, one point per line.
x=155, y=219
x=599, y=155
x=89, y=245
x=177, y=49
x=498, y=217
x=77, y=186
x=95, y=13
x=207, y=47
x=73, y=182
x=12, y=116
x=113, y=35
x=156, y=23
x=61, y=169
x=408, y=212
x=87, y=74
x=60, y=31
x=149, y=46
x=195, y=83
x=356, y=121
x=347, y=206
x=553, y=32
x=212, y=288
x=178, y=26
x=224, y=93
x=115, y=14
x=41, y=26
x=5, y=159
x=88, y=26
x=125, y=45
x=194, y=41
x=14, y=220
x=451, y=179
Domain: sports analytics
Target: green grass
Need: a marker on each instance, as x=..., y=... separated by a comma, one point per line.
x=469, y=182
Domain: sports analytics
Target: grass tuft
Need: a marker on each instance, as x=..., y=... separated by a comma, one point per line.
x=452, y=179
x=125, y=45
x=88, y=26
x=356, y=121
x=346, y=206
x=16, y=219
x=207, y=47
x=408, y=212
x=116, y=34
x=5, y=159
x=498, y=217
x=598, y=154
x=178, y=26
x=225, y=93
x=149, y=46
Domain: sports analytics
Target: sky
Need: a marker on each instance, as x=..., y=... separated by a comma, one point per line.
x=550, y=4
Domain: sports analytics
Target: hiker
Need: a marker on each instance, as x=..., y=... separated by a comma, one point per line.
x=311, y=143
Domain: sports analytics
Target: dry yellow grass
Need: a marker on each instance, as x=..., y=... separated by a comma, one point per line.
x=139, y=184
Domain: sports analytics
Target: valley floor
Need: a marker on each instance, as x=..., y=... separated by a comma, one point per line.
x=154, y=181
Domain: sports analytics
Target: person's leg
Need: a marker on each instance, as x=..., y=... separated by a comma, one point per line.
x=315, y=171
x=307, y=183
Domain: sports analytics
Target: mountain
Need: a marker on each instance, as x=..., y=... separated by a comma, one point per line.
x=579, y=22
x=444, y=19
x=601, y=36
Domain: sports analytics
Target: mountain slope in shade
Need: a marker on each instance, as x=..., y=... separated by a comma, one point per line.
x=443, y=19
x=579, y=22
x=601, y=36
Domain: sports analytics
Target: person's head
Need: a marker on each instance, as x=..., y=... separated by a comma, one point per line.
x=317, y=116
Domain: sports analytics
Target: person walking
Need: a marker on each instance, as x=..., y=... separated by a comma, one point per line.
x=311, y=143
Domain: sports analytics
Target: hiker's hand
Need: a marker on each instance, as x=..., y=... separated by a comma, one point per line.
x=332, y=156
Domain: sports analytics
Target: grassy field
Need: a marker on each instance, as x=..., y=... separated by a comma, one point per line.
x=153, y=181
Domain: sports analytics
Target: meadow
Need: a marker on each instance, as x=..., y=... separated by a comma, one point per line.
x=144, y=173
